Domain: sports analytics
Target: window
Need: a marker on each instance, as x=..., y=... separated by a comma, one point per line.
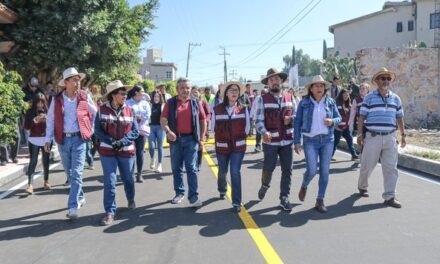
x=410, y=25
x=399, y=27
x=435, y=21
x=168, y=73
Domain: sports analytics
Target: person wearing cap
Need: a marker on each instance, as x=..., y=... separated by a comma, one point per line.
x=31, y=89
x=70, y=121
x=273, y=120
x=230, y=123
x=335, y=89
x=184, y=123
x=315, y=121
x=117, y=129
x=142, y=111
x=381, y=114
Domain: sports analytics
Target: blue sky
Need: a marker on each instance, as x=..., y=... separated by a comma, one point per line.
x=248, y=29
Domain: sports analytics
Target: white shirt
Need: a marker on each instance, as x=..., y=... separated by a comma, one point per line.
x=319, y=114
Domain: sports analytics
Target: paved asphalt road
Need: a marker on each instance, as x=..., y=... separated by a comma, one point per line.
x=33, y=229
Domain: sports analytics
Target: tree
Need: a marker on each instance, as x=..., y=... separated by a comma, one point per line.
x=324, y=50
x=306, y=65
x=11, y=104
x=100, y=37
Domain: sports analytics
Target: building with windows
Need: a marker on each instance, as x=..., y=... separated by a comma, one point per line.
x=154, y=69
x=397, y=25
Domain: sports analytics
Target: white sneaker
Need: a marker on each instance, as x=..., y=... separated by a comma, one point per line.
x=196, y=204
x=72, y=214
x=81, y=202
x=159, y=167
x=152, y=164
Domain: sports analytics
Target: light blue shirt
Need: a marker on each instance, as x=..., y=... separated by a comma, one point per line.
x=70, y=116
x=319, y=114
x=141, y=108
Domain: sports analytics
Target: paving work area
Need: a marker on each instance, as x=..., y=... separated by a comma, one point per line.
x=34, y=229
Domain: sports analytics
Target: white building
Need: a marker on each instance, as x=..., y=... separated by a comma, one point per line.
x=154, y=69
x=397, y=25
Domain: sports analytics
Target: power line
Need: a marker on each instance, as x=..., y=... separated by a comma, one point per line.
x=189, y=54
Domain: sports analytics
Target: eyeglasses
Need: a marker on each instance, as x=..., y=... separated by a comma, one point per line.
x=385, y=78
x=232, y=90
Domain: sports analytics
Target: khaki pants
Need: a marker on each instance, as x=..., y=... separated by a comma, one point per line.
x=385, y=148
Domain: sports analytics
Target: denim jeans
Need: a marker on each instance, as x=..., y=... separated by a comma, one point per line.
x=184, y=151
x=317, y=147
x=73, y=152
x=235, y=159
x=140, y=146
x=91, y=150
x=34, y=150
x=258, y=139
x=126, y=170
x=348, y=138
x=156, y=138
x=271, y=154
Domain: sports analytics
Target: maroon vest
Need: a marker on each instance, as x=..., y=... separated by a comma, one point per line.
x=230, y=130
x=83, y=114
x=274, y=114
x=35, y=129
x=116, y=126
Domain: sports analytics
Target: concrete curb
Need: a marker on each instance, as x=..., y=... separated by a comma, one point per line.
x=428, y=166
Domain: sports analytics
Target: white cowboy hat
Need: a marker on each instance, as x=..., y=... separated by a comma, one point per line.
x=239, y=84
x=114, y=85
x=317, y=79
x=383, y=71
x=70, y=72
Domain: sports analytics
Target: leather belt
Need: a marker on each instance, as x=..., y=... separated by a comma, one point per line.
x=373, y=134
x=72, y=134
x=184, y=135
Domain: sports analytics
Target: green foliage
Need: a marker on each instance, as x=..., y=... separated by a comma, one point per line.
x=324, y=50
x=148, y=85
x=100, y=37
x=11, y=104
x=421, y=45
x=306, y=65
x=171, y=87
x=342, y=67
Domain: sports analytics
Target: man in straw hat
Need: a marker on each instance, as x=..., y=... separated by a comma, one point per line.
x=117, y=129
x=70, y=121
x=381, y=114
x=184, y=123
x=273, y=115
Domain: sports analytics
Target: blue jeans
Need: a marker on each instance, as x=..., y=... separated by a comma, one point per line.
x=156, y=136
x=73, y=152
x=321, y=147
x=91, y=150
x=126, y=170
x=140, y=146
x=235, y=158
x=184, y=151
x=348, y=138
x=271, y=154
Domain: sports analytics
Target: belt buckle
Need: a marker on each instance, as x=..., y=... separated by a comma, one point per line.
x=68, y=134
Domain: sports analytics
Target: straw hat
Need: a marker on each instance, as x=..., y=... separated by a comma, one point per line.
x=272, y=72
x=70, y=72
x=239, y=84
x=114, y=85
x=383, y=71
x=317, y=79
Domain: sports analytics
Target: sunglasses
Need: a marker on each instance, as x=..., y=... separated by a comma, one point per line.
x=385, y=78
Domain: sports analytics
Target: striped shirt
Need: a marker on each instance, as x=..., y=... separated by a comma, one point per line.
x=381, y=113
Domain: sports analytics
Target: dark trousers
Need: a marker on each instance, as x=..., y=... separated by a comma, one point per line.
x=34, y=151
x=271, y=154
x=258, y=139
x=91, y=150
x=140, y=146
x=348, y=138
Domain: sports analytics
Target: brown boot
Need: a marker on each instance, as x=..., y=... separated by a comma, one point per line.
x=319, y=206
x=139, y=178
x=302, y=194
x=46, y=185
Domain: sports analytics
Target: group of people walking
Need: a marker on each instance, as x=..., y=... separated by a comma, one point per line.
x=283, y=121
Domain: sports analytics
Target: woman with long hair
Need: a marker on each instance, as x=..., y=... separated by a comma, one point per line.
x=157, y=134
x=35, y=122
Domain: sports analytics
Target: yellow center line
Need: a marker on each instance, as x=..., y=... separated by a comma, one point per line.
x=266, y=249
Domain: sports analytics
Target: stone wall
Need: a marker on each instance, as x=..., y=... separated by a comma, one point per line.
x=417, y=80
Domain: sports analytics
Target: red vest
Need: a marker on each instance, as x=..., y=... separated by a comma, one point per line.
x=35, y=129
x=274, y=114
x=83, y=114
x=230, y=131
x=116, y=126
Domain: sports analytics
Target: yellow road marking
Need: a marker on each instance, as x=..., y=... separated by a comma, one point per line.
x=250, y=141
x=266, y=249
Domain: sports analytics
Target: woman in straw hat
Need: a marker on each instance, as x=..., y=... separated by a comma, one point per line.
x=316, y=117
x=230, y=123
x=117, y=129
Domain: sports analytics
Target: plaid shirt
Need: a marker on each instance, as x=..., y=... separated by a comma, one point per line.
x=259, y=119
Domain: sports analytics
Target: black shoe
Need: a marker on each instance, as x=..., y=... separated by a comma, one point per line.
x=319, y=206
x=302, y=194
x=3, y=163
x=333, y=159
x=354, y=157
x=262, y=192
x=131, y=205
x=364, y=193
x=236, y=208
x=285, y=204
x=393, y=202
x=139, y=178
x=222, y=196
x=15, y=160
x=258, y=148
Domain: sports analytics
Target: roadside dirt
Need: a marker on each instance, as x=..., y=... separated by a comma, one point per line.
x=424, y=138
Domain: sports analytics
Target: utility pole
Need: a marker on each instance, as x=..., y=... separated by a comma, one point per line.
x=225, y=69
x=233, y=73
x=189, y=54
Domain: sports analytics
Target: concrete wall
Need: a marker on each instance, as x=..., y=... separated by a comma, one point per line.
x=417, y=81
